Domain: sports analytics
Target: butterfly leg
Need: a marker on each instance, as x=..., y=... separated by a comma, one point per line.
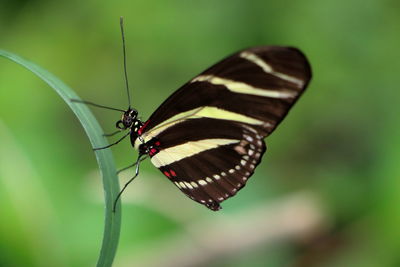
x=137, y=163
x=126, y=168
x=130, y=166
x=119, y=140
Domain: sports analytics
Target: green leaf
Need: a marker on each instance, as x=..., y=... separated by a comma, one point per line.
x=104, y=157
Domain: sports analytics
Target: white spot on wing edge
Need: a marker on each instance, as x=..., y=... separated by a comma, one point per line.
x=188, y=185
x=249, y=138
x=240, y=149
x=202, y=182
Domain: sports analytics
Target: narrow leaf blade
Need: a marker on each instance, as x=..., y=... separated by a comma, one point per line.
x=104, y=157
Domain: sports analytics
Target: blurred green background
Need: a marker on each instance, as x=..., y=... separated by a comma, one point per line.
x=326, y=194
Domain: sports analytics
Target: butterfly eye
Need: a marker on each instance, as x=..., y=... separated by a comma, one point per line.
x=120, y=125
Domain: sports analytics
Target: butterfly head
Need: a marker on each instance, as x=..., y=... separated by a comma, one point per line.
x=128, y=120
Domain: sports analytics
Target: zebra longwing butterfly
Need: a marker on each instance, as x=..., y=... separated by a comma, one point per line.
x=208, y=137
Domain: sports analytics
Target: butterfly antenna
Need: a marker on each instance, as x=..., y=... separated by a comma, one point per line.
x=95, y=105
x=121, y=22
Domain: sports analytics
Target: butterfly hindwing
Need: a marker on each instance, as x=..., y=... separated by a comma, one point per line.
x=210, y=170
x=210, y=131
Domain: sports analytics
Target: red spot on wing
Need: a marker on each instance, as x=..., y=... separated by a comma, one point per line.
x=157, y=143
x=153, y=151
x=140, y=131
x=173, y=173
x=167, y=174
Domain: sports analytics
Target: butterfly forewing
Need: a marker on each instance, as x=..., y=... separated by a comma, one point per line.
x=211, y=130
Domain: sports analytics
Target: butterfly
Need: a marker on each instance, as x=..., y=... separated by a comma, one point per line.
x=207, y=138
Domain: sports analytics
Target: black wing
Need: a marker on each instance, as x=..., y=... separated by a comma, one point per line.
x=211, y=130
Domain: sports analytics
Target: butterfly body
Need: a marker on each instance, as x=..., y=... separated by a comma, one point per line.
x=207, y=137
